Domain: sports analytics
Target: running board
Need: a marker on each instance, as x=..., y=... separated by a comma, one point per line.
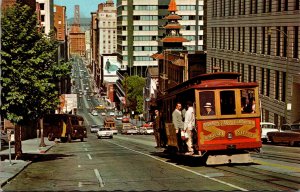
x=227, y=159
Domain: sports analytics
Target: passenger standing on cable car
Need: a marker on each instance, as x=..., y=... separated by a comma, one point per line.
x=189, y=124
x=157, y=129
x=178, y=124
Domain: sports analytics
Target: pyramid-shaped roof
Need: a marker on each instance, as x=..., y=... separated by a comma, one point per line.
x=172, y=6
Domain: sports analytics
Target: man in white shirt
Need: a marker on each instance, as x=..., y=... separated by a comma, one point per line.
x=189, y=124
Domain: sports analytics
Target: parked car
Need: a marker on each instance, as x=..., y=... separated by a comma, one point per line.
x=265, y=128
x=289, y=134
x=94, y=113
x=103, y=113
x=147, y=130
x=100, y=107
x=132, y=131
x=111, y=114
x=94, y=128
x=104, y=132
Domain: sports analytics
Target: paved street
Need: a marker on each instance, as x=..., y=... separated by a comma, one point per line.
x=130, y=162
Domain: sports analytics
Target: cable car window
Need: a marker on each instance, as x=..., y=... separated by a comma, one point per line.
x=207, y=103
x=227, y=99
x=248, y=104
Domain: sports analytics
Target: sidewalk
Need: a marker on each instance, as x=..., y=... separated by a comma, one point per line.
x=8, y=170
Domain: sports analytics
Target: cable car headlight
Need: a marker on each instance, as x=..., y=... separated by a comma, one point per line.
x=229, y=136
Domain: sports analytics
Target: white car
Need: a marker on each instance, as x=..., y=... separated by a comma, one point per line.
x=103, y=113
x=265, y=128
x=94, y=128
x=147, y=130
x=94, y=113
x=104, y=132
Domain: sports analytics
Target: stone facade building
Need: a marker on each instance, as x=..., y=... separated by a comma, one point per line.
x=259, y=39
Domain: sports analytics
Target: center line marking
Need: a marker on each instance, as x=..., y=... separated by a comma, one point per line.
x=99, y=177
x=199, y=174
x=90, y=157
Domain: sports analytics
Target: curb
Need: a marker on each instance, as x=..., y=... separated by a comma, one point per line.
x=9, y=179
x=24, y=167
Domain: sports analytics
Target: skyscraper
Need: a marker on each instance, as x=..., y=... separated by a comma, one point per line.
x=140, y=27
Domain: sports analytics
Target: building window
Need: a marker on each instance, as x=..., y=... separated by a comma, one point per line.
x=229, y=37
x=285, y=43
x=283, y=96
x=286, y=5
x=42, y=6
x=262, y=87
x=240, y=7
x=255, y=40
x=239, y=38
x=233, y=7
x=249, y=73
x=243, y=46
x=270, y=6
x=264, y=7
x=276, y=119
x=268, y=82
x=277, y=86
x=232, y=38
x=296, y=42
x=278, y=41
x=269, y=45
x=42, y=18
x=278, y=5
x=254, y=73
x=263, y=39
x=250, y=39
x=297, y=5
x=224, y=43
x=243, y=72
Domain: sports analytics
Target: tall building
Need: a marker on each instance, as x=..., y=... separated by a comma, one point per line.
x=46, y=14
x=107, y=18
x=76, y=36
x=139, y=29
x=60, y=22
x=259, y=39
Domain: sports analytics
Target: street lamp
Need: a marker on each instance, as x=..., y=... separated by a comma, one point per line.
x=286, y=34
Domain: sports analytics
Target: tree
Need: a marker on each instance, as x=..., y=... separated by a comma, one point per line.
x=134, y=86
x=30, y=71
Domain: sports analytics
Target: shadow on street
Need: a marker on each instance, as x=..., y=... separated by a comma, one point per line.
x=38, y=157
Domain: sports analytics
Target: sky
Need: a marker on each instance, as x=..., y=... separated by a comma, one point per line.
x=85, y=6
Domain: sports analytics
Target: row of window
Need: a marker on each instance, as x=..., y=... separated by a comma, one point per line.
x=155, y=7
x=221, y=8
x=156, y=18
x=139, y=58
x=155, y=38
x=155, y=28
x=141, y=48
x=264, y=40
x=270, y=81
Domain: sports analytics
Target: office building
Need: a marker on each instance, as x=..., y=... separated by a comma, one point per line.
x=139, y=28
x=259, y=39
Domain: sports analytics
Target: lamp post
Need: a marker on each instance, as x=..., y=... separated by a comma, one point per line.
x=286, y=34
